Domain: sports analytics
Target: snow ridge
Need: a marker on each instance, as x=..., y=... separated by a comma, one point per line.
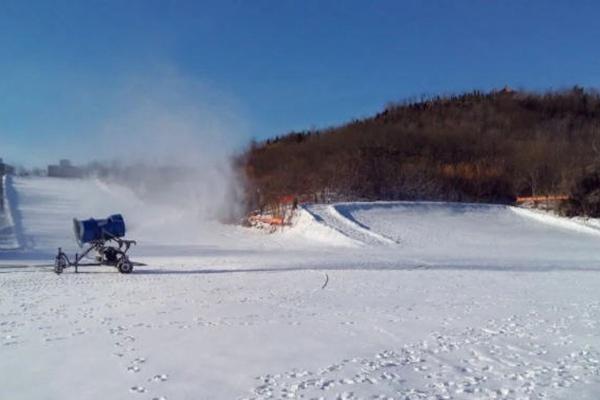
x=331, y=216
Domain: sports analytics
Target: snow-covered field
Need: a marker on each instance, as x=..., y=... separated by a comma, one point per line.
x=357, y=300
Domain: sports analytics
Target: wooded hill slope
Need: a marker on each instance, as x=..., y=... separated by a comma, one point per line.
x=477, y=147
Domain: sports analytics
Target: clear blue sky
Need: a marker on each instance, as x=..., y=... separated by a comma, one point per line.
x=267, y=67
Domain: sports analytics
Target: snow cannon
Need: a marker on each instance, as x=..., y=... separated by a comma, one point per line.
x=105, y=238
x=89, y=230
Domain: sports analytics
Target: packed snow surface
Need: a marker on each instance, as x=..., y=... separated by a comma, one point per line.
x=401, y=300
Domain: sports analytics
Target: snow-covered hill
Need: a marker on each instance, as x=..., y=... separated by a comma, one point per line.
x=357, y=300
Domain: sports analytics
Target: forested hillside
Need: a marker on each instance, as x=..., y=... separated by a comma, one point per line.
x=479, y=147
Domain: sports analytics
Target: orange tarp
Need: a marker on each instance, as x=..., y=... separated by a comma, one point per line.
x=267, y=219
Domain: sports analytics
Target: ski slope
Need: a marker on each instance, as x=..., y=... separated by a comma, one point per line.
x=39, y=221
x=402, y=300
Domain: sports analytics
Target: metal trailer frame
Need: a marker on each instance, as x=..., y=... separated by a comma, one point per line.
x=106, y=254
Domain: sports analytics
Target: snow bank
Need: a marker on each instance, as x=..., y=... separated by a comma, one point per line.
x=575, y=224
x=306, y=226
x=8, y=234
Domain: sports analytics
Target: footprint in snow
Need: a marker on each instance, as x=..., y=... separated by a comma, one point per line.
x=137, y=389
x=135, y=365
x=159, y=378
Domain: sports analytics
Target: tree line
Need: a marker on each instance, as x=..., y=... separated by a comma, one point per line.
x=475, y=147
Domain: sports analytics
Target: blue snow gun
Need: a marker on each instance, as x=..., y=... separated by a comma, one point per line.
x=105, y=238
x=91, y=230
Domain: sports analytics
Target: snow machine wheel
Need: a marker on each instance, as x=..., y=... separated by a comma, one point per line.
x=60, y=263
x=110, y=256
x=124, y=265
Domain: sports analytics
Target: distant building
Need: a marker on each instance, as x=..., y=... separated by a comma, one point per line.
x=6, y=169
x=64, y=169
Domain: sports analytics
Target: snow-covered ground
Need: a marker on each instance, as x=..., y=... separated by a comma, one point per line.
x=357, y=300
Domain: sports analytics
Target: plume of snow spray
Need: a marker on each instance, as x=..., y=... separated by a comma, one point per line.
x=171, y=142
